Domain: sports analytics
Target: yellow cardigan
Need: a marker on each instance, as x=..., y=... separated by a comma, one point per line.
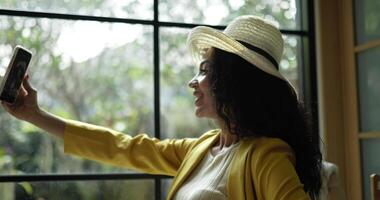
x=261, y=169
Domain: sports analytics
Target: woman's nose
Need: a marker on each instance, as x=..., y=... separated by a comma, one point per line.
x=192, y=83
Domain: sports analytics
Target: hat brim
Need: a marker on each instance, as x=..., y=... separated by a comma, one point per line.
x=202, y=38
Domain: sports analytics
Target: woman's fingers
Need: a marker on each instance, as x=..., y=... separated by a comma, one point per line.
x=25, y=103
x=7, y=107
x=28, y=86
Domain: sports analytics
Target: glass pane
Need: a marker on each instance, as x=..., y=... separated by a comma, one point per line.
x=101, y=73
x=370, y=162
x=367, y=17
x=289, y=65
x=177, y=102
x=284, y=13
x=369, y=89
x=140, y=9
x=83, y=190
x=176, y=98
x=165, y=186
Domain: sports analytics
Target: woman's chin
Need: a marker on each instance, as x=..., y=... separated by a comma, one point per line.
x=199, y=113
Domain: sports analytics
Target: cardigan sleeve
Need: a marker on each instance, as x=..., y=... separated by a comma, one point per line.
x=273, y=171
x=141, y=152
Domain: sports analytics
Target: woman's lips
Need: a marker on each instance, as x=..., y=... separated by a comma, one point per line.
x=197, y=101
x=198, y=98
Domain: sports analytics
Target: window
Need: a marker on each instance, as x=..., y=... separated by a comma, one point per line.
x=120, y=64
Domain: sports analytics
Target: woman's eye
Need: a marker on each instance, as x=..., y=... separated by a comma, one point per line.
x=204, y=67
x=203, y=71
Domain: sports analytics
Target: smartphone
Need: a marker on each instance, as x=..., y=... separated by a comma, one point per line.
x=14, y=74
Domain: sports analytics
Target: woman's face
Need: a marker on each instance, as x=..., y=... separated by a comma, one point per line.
x=204, y=101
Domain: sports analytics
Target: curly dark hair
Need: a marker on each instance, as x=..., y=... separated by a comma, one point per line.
x=253, y=103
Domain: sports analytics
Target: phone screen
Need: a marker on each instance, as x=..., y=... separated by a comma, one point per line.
x=15, y=74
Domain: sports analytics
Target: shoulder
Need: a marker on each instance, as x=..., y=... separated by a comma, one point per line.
x=206, y=138
x=271, y=144
x=266, y=149
x=210, y=134
x=265, y=143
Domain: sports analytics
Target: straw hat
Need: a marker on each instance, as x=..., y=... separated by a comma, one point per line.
x=264, y=43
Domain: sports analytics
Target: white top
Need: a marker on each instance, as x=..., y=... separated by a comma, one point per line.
x=209, y=178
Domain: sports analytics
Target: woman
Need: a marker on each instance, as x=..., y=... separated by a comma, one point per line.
x=263, y=149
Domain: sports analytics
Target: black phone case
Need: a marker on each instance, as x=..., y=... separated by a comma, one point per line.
x=15, y=76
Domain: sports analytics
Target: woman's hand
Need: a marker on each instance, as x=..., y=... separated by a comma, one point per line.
x=26, y=105
x=26, y=108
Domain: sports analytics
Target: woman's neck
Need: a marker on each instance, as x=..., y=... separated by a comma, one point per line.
x=226, y=138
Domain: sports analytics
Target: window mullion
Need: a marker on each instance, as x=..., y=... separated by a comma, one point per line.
x=156, y=60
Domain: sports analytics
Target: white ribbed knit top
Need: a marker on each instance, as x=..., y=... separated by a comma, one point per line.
x=209, y=178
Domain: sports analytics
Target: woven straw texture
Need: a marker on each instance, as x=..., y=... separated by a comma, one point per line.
x=249, y=29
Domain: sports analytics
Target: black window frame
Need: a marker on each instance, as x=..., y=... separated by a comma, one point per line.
x=307, y=79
